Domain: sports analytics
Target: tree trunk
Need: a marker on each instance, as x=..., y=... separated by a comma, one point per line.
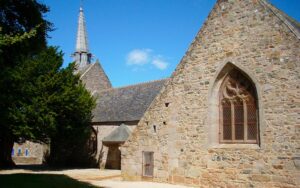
x=6, y=145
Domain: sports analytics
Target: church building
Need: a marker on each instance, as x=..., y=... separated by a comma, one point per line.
x=118, y=110
x=229, y=116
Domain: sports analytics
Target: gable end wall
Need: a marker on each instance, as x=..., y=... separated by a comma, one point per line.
x=251, y=38
x=95, y=79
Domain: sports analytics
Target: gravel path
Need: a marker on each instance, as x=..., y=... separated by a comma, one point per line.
x=139, y=184
x=102, y=178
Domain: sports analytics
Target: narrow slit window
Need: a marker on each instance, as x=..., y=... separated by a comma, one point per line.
x=154, y=128
x=19, y=152
x=26, y=152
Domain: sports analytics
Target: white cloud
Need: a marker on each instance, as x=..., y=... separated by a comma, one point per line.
x=138, y=57
x=160, y=63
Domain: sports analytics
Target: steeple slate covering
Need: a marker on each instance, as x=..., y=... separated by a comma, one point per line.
x=82, y=56
x=81, y=41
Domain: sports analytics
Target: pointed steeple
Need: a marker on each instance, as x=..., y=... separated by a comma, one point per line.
x=82, y=56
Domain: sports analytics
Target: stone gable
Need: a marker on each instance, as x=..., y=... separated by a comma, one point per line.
x=94, y=78
x=247, y=36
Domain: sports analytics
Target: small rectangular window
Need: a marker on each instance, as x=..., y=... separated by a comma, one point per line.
x=12, y=152
x=148, y=163
x=19, y=152
x=26, y=152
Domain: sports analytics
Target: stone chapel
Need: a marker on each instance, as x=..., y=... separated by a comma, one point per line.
x=229, y=115
x=118, y=110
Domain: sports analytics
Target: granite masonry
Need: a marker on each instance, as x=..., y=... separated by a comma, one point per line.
x=227, y=117
x=29, y=153
x=180, y=138
x=115, y=107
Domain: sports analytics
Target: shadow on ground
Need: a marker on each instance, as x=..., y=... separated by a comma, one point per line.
x=40, y=181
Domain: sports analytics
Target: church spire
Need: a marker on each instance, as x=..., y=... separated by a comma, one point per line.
x=82, y=56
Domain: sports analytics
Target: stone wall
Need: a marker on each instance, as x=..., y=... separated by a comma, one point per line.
x=245, y=35
x=29, y=153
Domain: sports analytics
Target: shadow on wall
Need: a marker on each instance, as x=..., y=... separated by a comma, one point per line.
x=100, y=159
x=113, y=157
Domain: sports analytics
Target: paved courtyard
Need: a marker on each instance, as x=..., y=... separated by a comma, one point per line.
x=101, y=178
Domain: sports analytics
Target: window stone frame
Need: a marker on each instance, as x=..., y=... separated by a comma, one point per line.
x=212, y=122
x=243, y=96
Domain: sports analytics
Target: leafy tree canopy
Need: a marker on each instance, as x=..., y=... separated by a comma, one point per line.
x=23, y=30
x=39, y=100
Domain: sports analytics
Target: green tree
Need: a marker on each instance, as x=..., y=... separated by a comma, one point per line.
x=23, y=30
x=54, y=106
x=23, y=34
x=39, y=100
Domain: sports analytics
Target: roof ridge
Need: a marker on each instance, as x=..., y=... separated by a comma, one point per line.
x=87, y=70
x=133, y=85
x=282, y=16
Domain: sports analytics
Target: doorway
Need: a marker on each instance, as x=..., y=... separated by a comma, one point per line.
x=148, y=163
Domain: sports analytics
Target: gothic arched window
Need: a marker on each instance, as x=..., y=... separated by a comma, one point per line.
x=238, y=109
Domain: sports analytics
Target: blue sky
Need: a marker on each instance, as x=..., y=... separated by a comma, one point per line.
x=136, y=40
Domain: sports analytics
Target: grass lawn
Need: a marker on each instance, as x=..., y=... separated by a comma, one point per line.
x=40, y=181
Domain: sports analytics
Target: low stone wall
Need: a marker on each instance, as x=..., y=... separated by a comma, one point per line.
x=26, y=160
x=29, y=153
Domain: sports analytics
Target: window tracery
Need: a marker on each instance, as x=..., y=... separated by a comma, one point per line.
x=238, y=110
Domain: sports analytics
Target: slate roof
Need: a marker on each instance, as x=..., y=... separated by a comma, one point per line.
x=125, y=103
x=292, y=24
x=83, y=70
x=118, y=135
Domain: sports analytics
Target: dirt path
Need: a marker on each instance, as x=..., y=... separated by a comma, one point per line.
x=101, y=178
x=127, y=184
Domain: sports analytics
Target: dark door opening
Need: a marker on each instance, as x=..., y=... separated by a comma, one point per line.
x=113, y=160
